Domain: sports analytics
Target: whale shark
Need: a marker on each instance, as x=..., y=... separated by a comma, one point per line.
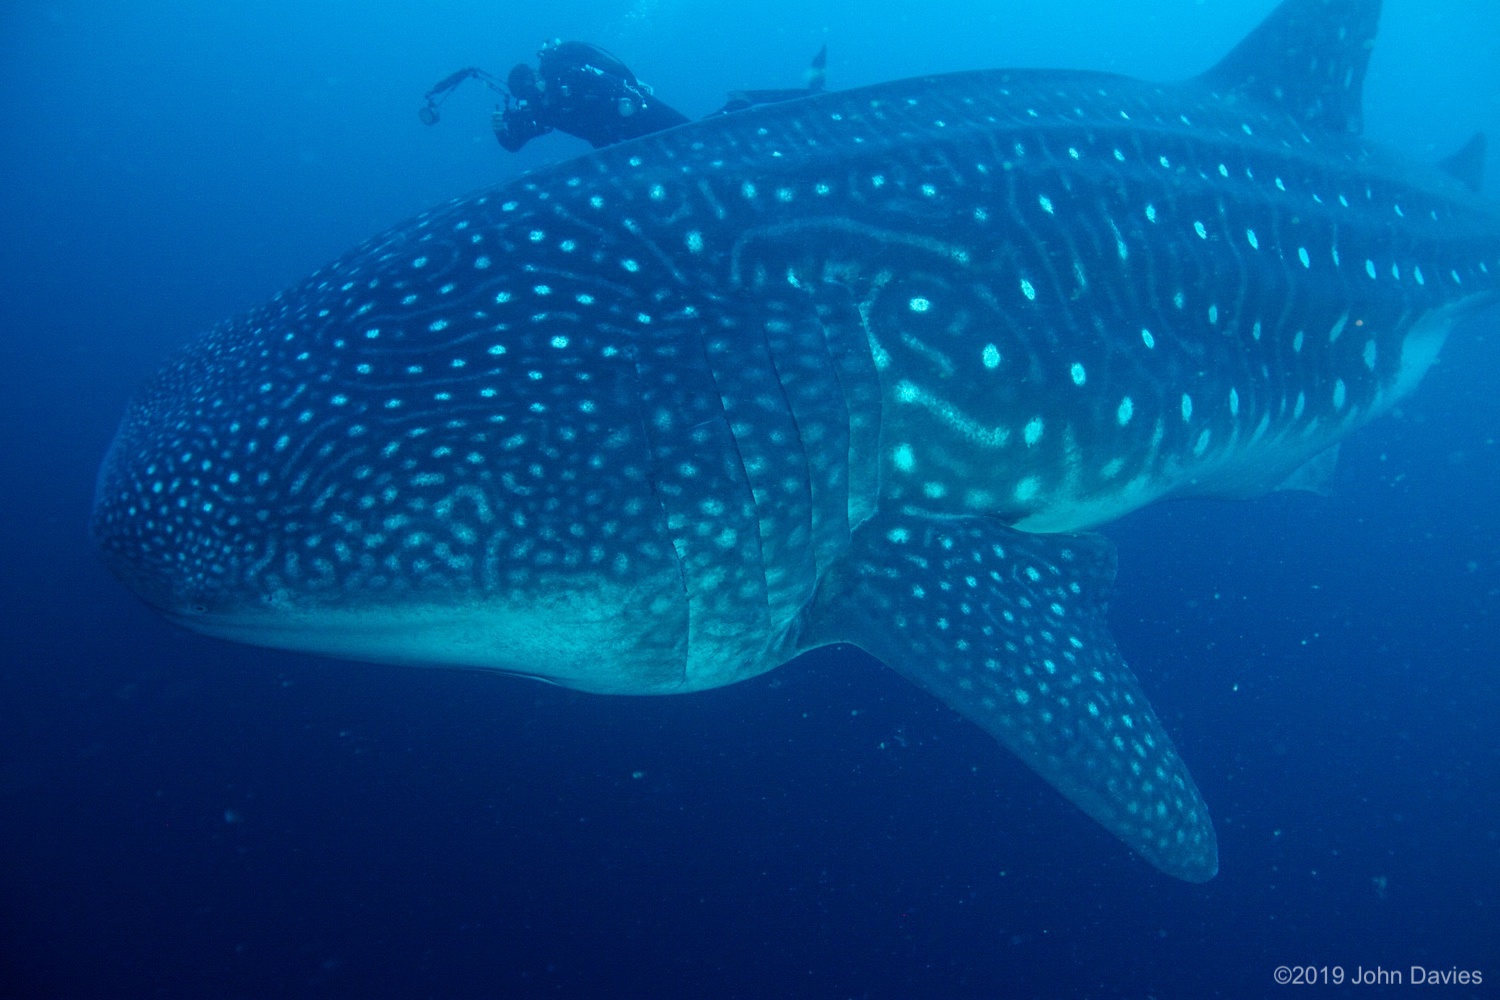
x=864, y=367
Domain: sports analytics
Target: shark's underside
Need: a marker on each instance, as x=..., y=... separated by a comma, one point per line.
x=855, y=368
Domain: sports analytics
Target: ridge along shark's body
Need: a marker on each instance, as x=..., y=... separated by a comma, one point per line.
x=855, y=368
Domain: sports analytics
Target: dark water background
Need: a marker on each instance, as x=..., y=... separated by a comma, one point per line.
x=184, y=818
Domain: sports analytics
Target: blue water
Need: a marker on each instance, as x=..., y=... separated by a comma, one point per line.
x=185, y=818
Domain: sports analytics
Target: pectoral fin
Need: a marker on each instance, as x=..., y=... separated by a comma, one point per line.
x=1008, y=628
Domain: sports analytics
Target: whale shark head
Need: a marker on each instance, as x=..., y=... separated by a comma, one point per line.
x=864, y=367
x=430, y=452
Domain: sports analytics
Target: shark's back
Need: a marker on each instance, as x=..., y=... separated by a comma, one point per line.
x=1084, y=292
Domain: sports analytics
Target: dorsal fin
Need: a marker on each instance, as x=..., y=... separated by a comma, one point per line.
x=1467, y=165
x=1307, y=59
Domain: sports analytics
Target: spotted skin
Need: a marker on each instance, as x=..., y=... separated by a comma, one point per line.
x=855, y=368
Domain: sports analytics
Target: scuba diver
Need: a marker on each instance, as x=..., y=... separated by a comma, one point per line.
x=580, y=89
x=584, y=91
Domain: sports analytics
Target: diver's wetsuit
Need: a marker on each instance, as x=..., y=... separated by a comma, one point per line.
x=582, y=90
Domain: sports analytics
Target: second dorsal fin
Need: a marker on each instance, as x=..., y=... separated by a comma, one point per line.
x=1307, y=59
